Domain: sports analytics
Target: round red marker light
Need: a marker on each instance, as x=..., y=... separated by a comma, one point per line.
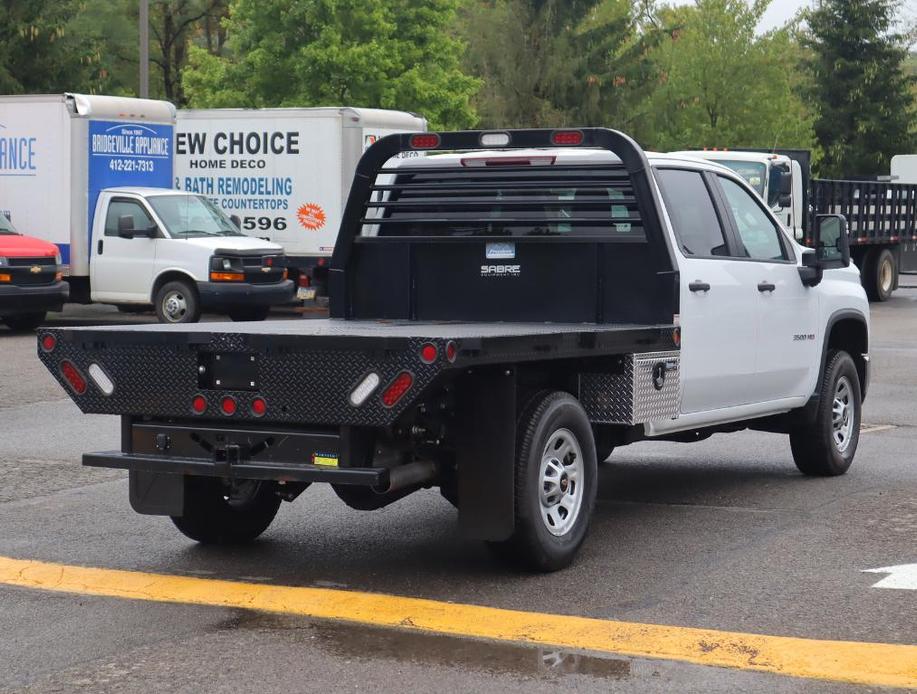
x=199, y=404
x=259, y=407
x=48, y=342
x=428, y=353
x=451, y=351
x=228, y=405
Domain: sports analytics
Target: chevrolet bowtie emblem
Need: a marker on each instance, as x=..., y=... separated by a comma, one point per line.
x=35, y=269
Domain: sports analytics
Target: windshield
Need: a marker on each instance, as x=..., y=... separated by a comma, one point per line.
x=187, y=216
x=751, y=171
x=6, y=226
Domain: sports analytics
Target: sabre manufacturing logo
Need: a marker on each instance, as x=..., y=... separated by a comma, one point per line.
x=501, y=270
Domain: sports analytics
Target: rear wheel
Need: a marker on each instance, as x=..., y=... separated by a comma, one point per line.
x=825, y=446
x=555, y=483
x=245, y=314
x=177, y=302
x=881, y=274
x=25, y=321
x=218, y=512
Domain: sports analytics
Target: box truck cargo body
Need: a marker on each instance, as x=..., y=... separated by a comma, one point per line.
x=94, y=175
x=284, y=172
x=57, y=152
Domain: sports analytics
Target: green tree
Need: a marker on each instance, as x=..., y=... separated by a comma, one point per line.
x=865, y=100
x=722, y=84
x=560, y=62
x=373, y=53
x=38, y=53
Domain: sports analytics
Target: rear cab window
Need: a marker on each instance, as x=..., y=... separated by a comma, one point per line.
x=506, y=197
x=692, y=213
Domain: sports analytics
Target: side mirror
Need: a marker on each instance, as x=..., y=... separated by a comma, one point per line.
x=786, y=183
x=784, y=200
x=832, y=246
x=234, y=218
x=126, y=226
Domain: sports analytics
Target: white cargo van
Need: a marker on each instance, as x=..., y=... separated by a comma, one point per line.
x=285, y=173
x=93, y=174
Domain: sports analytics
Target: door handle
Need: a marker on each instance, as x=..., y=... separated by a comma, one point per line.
x=766, y=287
x=698, y=286
x=99, y=247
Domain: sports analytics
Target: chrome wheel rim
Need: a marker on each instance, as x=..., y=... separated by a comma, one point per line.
x=842, y=414
x=174, y=306
x=885, y=276
x=561, y=477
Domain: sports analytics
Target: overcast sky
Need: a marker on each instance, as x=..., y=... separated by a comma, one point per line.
x=780, y=11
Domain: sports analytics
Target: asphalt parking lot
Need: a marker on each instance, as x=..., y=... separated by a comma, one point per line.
x=722, y=535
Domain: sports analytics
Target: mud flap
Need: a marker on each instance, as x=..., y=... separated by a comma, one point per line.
x=486, y=403
x=157, y=493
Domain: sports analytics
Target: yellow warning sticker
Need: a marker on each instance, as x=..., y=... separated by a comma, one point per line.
x=329, y=459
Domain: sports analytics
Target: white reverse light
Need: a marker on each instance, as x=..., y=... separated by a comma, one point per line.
x=101, y=379
x=364, y=390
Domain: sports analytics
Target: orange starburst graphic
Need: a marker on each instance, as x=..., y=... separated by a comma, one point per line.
x=311, y=216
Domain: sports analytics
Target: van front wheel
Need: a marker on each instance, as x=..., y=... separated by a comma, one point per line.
x=177, y=302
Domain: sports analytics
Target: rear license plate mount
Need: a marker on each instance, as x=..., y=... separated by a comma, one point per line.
x=227, y=371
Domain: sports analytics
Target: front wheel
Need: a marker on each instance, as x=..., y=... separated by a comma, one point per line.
x=218, y=512
x=177, y=302
x=825, y=446
x=555, y=483
x=25, y=321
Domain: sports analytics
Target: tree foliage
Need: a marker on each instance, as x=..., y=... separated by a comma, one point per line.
x=38, y=52
x=865, y=100
x=381, y=53
x=560, y=62
x=722, y=84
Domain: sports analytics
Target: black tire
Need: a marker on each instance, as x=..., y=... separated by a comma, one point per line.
x=25, y=321
x=245, y=314
x=187, y=306
x=880, y=274
x=532, y=544
x=816, y=452
x=216, y=513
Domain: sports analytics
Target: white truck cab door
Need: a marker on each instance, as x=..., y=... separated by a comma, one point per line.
x=719, y=325
x=123, y=252
x=788, y=330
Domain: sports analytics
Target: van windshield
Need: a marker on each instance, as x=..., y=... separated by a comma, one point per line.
x=6, y=227
x=187, y=216
x=752, y=171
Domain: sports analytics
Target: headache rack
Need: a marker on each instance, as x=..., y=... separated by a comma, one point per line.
x=521, y=237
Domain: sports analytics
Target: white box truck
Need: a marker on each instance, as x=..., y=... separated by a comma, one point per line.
x=285, y=173
x=93, y=174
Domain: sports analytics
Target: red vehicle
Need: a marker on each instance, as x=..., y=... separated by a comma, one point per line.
x=30, y=278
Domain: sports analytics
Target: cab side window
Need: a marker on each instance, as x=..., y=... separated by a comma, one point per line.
x=758, y=235
x=121, y=208
x=692, y=213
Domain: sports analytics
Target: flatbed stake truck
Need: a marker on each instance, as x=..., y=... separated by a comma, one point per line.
x=548, y=297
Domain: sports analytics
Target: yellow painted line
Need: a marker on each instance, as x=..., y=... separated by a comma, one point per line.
x=877, y=664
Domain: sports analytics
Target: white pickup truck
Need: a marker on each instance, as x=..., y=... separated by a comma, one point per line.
x=93, y=175
x=549, y=296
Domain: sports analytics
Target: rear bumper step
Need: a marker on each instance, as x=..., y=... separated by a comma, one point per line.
x=289, y=472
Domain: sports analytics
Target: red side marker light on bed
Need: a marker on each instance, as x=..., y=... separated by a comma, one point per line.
x=428, y=353
x=259, y=407
x=567, y=137
x=228, y=405
x=48, y=342
x=425, y=141
x=73, y=377
x=451, y=351
x=397, y=388
x=199, y=404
